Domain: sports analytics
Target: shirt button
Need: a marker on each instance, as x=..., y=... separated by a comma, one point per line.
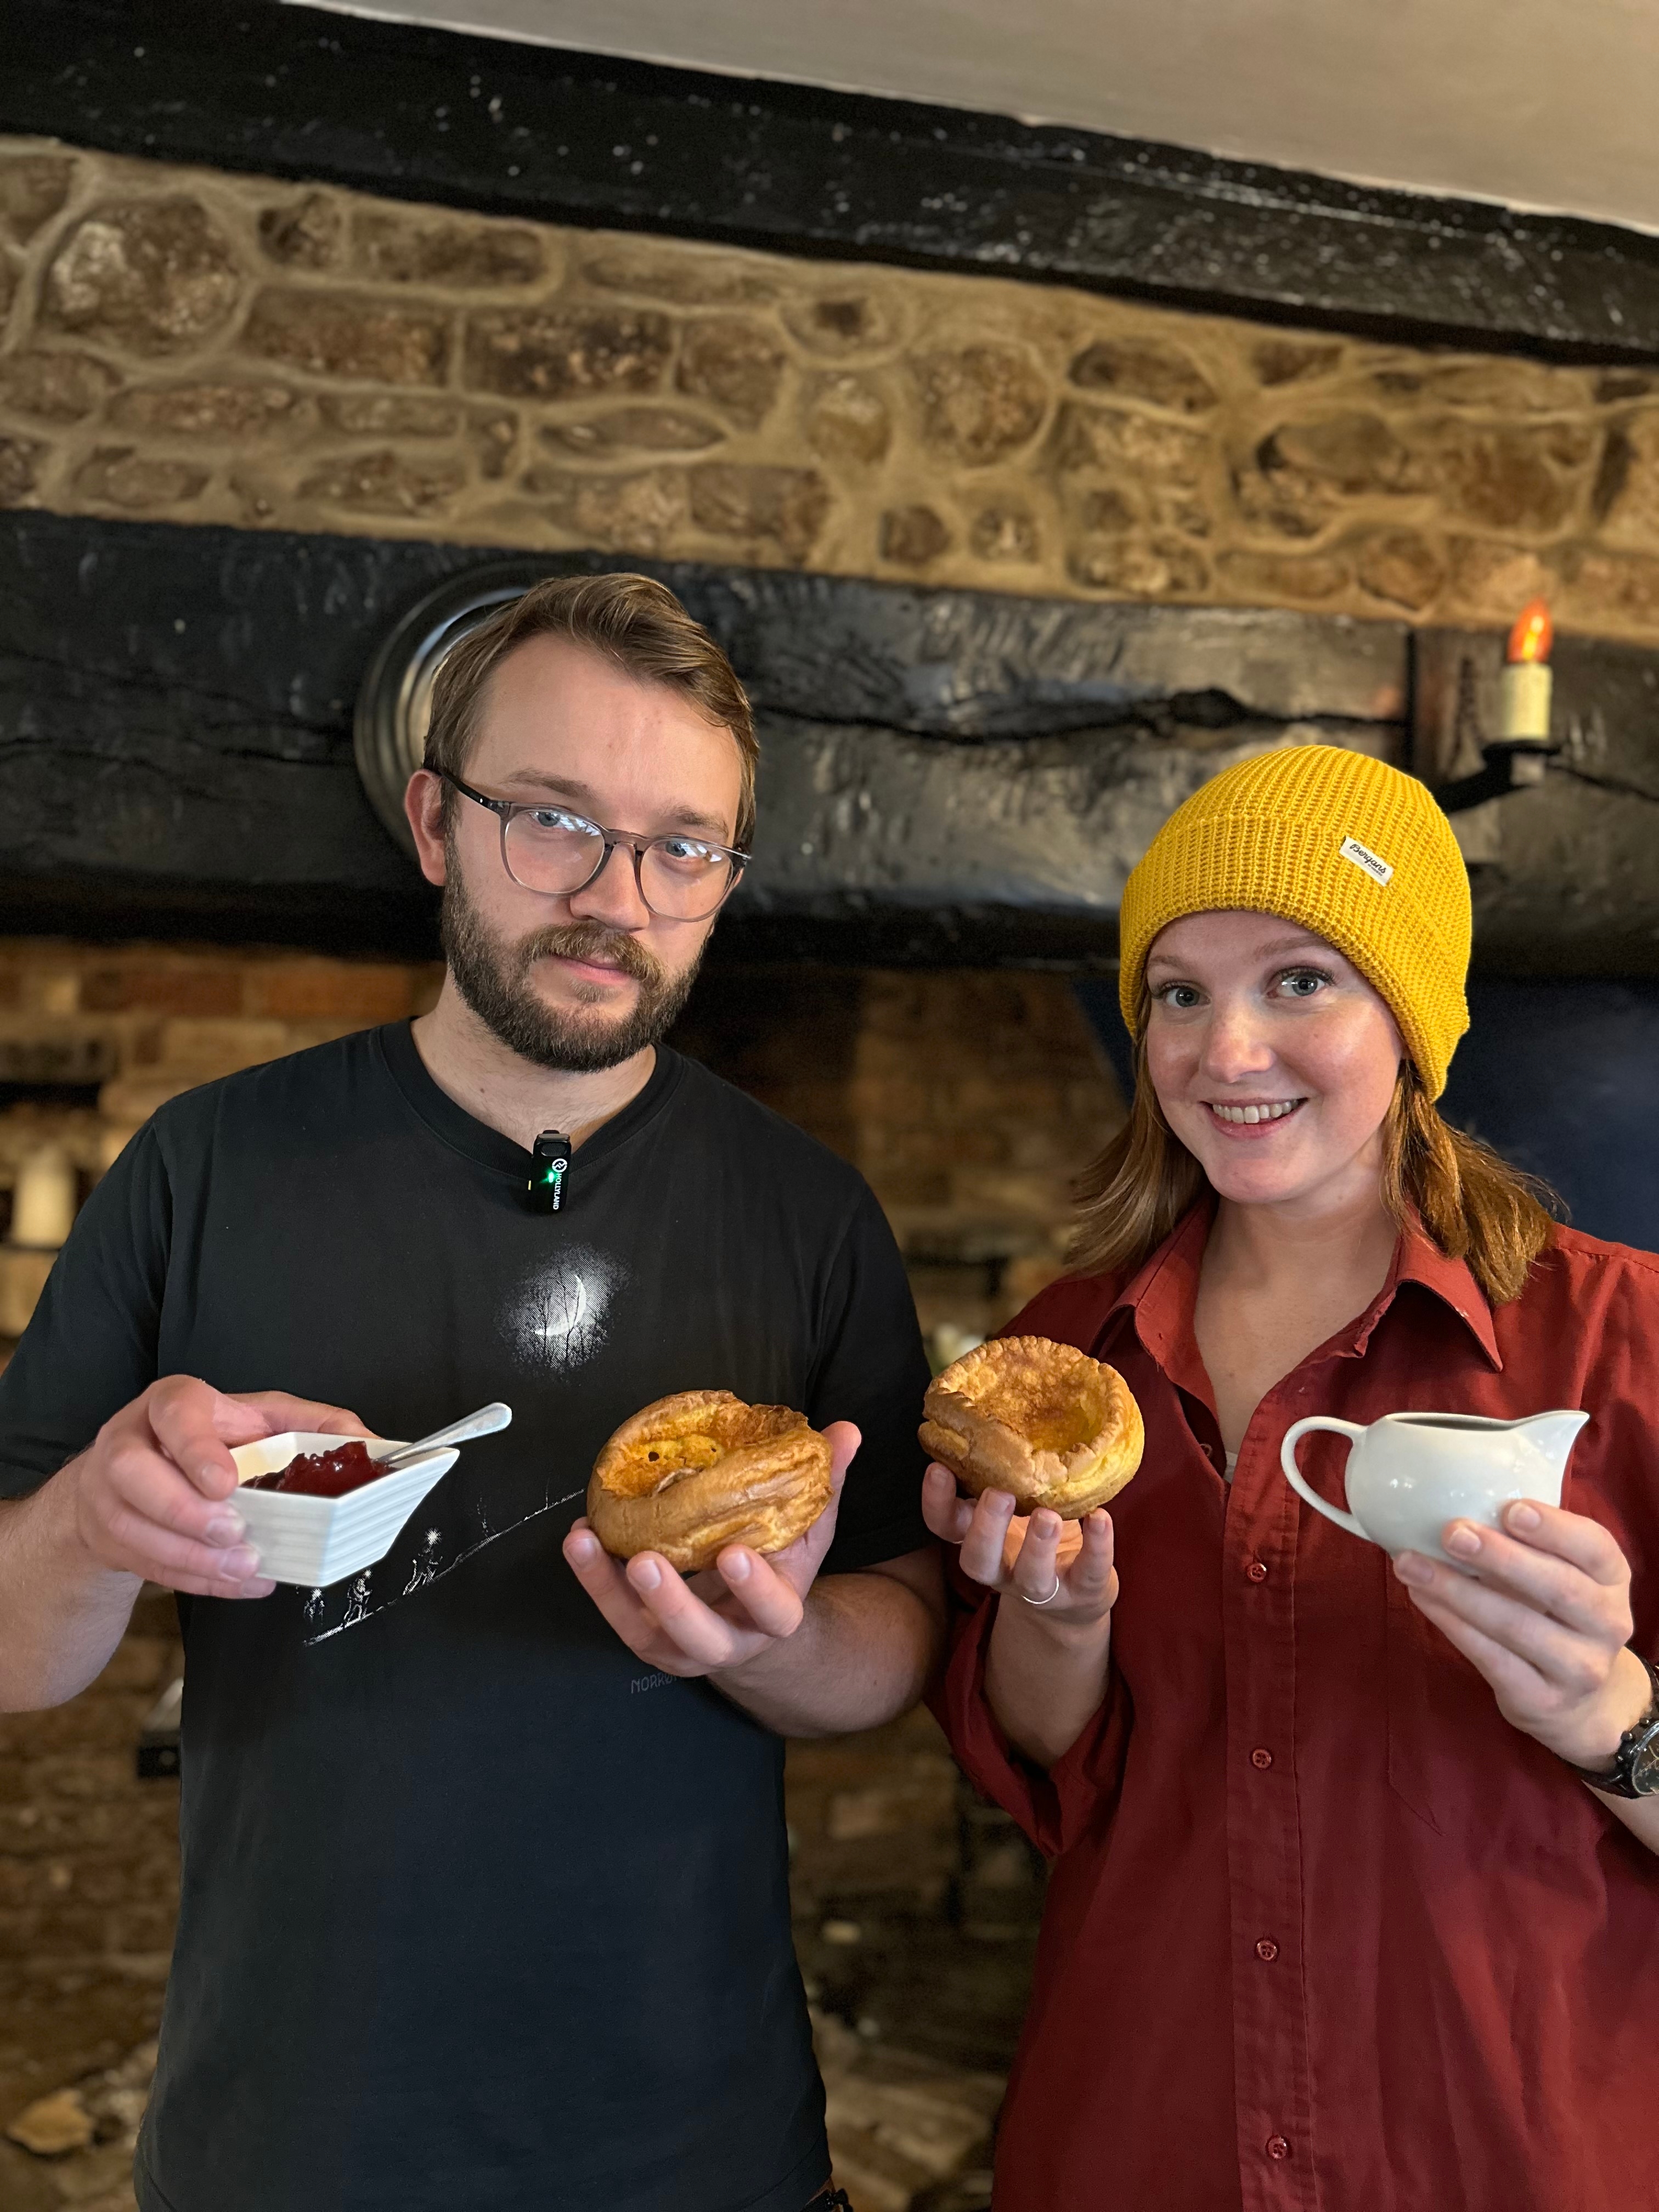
x=1277, y=2147
x=1267, y=1949
x=1263, y=1758
x=1256, y=1572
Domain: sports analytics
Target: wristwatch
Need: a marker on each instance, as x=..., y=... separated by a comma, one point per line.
x=1635, y=1763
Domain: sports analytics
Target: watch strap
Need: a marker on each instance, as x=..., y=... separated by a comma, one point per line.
x=1642, y=1736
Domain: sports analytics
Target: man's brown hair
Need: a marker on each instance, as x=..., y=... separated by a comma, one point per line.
x=633, y=621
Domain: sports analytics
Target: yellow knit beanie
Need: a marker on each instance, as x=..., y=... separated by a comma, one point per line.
x=1344, y=845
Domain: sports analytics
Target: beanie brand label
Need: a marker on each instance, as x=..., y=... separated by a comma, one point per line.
x=1362, y=857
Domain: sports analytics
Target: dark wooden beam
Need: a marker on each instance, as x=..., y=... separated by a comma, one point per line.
x=538, y=131
x=174, y=752
x=946, y=775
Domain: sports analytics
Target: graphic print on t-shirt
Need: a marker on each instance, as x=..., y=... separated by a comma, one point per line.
x=558, y=1317
x=553, y=1320
x=429, y=1548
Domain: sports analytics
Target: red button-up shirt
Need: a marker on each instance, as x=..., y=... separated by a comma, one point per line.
x=1323, y=1930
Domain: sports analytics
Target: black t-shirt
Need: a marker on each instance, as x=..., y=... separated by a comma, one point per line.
x=478, y=1911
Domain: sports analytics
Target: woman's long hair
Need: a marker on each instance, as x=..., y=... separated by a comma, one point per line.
x=1473, y=1206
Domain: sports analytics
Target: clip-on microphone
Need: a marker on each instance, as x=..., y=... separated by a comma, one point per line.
x=549, y=1164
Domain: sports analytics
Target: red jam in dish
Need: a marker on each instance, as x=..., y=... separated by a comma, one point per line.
x=323, y=1475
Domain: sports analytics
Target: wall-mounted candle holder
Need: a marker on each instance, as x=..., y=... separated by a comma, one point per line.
x=1516, y=756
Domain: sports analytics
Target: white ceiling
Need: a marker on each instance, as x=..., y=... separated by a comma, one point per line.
x=1538, y=103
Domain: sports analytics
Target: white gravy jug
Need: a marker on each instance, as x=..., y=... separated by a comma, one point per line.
x=1408, y=1474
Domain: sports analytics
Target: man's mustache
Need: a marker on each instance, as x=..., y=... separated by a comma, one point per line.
x=590, y=940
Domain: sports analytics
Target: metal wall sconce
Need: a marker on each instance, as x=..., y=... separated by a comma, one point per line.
x=1518, y=758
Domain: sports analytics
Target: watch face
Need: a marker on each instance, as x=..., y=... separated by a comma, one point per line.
x=1642, y=1751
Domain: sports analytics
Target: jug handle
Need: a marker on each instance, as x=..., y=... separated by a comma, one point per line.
x=1353, y=1430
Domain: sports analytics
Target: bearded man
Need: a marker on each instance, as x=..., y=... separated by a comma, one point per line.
x=485, y=1897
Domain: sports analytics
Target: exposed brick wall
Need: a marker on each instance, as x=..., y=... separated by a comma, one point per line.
x=88, y=1872
x=978, y=1097
x=969, y=1099
x=873, y=1816
x=182, y=343
x=136, y=1025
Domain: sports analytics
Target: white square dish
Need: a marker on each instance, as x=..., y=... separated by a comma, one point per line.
x=314, y=1541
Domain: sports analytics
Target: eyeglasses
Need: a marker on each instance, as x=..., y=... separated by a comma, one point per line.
x=549, y=849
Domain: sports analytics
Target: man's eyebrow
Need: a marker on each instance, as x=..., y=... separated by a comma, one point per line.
x=535, y=783
x=557, y=787
x=708, y=825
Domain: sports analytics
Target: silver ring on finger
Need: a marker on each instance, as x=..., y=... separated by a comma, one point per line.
x=1049, y=1600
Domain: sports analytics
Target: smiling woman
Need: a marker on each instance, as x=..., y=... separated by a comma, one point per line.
x=1242, y=846
x=1267, y=1762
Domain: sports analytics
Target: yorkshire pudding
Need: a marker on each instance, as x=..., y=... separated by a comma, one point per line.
x=692, y=1473
x=1042, y=1421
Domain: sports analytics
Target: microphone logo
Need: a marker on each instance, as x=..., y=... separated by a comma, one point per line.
x=549, y=1164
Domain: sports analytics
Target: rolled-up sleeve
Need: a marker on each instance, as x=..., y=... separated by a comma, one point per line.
x=1077, y=1791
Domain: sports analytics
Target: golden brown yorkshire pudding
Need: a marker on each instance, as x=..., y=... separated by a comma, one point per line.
x=696, y=1471
x=1042, y=1421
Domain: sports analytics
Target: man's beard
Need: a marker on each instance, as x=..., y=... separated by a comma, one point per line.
x=494, y=977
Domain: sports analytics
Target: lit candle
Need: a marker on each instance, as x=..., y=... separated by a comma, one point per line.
x=1524, y=714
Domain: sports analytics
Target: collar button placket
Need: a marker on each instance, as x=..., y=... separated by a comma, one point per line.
x=1270, y=2040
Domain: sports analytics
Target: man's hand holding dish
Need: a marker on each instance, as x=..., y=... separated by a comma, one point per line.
x=150, y=1499
x=152, y=1495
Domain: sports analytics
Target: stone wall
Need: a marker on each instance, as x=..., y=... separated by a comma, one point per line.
x=181, y=344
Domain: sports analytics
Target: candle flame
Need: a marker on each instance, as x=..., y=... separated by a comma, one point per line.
x=1532, y=634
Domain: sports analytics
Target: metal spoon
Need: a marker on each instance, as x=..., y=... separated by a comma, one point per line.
x=483, y=1423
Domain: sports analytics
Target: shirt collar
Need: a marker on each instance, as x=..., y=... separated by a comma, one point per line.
x=1159, y=1300
x=448, y=1119
x=1418, y=1259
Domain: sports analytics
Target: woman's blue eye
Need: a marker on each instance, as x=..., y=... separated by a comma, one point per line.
x=1181, y=996
x=1304, y=982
